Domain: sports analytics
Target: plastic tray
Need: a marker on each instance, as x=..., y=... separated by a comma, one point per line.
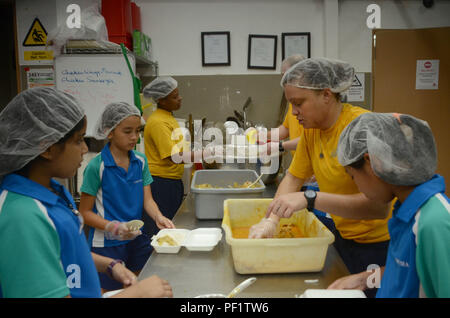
x=275, y=255
x=209, y=202
x=201, y=239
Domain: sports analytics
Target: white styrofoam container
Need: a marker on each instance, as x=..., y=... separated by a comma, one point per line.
x=201, y=239
x=209, y=202
x=333, y=293
x=274, y=255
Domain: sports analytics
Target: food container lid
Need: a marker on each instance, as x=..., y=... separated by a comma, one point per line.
x=201, y=239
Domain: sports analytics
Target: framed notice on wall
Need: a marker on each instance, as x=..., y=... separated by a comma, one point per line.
x=262, y=51
x=295, y=43
x=216, y=48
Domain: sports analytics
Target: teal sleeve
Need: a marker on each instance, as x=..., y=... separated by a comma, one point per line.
x=433, y=249
x=146, y=176
x=30, y=263
x=91, y=177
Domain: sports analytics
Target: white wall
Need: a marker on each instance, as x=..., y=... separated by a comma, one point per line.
x=175, y=27
x=355, y=43
x=338, y=28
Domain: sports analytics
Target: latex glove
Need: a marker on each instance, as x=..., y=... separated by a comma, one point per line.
x=116, y=230
x=264, y=229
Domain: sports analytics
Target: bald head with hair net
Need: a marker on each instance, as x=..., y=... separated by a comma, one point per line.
x=33, y=121
x=320, y=73
x=113, y=115
x=159, y=88
x=401, y=148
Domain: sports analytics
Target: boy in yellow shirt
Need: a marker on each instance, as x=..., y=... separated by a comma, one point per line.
x=313, y=86
x=167, y=186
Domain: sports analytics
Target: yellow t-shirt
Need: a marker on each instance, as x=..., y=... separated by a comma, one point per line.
x=159, y=145
x=291, y=123
x=332, y=177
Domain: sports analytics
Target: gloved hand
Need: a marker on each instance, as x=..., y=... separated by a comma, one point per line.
x=266, y=228
x=116, y=230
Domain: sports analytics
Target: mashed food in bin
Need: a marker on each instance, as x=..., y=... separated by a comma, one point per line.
x=286, y=231
x=234, y=185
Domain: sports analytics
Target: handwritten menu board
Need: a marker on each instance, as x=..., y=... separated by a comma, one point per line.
x=95, y=80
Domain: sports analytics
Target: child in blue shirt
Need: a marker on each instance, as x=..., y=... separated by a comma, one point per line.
x=116, y=189
x=393, y=155
x=43, y=250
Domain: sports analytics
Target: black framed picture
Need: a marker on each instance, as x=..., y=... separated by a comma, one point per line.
x=295, y=43
x=216, y=48
x=262, y=51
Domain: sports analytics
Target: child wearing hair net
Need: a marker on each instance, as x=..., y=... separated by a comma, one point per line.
x=167, y=185
x=313, y=87
x=116, y=189
x=392, y=155
x=43, y=249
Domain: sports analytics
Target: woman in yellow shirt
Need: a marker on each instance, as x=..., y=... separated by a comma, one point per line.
x=313, y=86
x=290, y=128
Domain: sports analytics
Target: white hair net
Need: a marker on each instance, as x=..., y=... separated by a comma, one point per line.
x=111, y=116
x=401, y=148
x=33, y=121
x=160, y=88
x=320, y=73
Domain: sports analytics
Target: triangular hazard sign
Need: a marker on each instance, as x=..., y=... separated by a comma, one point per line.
x=36, y=36
x=356, y=82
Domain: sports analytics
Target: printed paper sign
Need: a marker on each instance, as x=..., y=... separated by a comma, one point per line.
x=40, y=77
x=356, y=91
x=427, y=74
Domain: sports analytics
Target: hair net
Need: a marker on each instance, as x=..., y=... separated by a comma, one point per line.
x=112, y=115
x=401, y=148
x=160, y=88
x=33, y=121
x=320, y=73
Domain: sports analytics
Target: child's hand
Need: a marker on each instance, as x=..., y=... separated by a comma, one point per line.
x=164, y=223
x=153, y=286
x=116, y=230
x=123, y=275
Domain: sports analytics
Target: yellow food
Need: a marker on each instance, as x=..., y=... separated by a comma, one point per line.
x=167, y=239
x=286, y=231
x=235, y=185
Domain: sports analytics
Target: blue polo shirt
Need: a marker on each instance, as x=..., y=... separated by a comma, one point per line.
x=43, y=250
x=418, y=261
x=119, y=193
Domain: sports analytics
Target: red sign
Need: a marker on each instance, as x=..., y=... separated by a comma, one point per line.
x=427, y=64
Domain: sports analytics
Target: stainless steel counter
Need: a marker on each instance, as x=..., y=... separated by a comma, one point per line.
x=195, y=273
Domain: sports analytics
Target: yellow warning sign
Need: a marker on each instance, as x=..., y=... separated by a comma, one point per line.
x=37, y=55
x=36, y=35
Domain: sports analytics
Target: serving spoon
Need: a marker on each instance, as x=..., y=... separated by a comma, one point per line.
x=239, y=288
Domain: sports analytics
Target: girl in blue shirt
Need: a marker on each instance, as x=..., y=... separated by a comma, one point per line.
x=394, y=156
x=43, y=250
x=116, y=189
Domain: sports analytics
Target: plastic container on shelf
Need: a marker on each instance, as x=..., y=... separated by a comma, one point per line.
x=209, y=201
x=274, y=255
x=135, y=17
x=117, y=14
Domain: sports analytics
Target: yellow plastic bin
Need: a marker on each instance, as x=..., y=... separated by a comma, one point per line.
x=275, y=255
